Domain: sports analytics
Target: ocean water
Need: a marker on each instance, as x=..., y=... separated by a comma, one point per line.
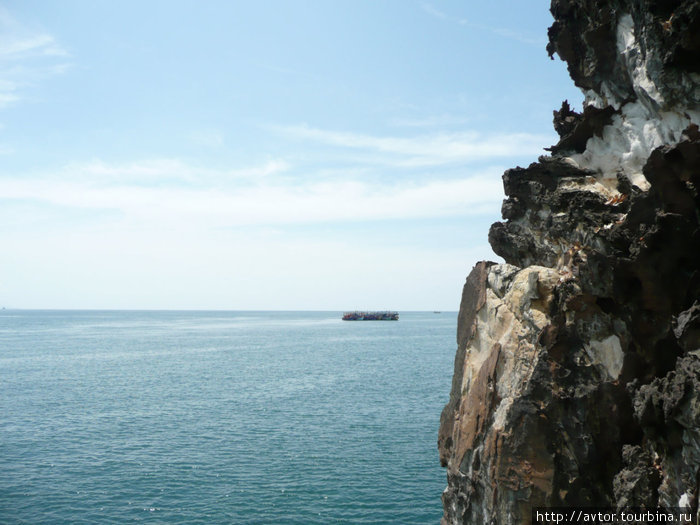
x=221, y=417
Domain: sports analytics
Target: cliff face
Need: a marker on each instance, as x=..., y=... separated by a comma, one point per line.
x=577, y=375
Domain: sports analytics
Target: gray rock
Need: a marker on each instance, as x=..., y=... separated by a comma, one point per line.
x=577, y=375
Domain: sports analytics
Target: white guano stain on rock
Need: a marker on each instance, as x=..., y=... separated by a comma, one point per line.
x=641, y=126
x=607, y=353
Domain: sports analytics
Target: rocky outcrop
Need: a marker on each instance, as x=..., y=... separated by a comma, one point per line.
x=577, y=374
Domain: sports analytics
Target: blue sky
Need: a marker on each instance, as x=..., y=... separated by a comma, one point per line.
x=262, y=155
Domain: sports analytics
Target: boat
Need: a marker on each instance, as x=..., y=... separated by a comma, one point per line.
x=371, y=316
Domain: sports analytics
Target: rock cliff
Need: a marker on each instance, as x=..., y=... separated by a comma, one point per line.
x=577, y=374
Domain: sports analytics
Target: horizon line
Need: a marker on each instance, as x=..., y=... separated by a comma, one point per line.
x=8, y=309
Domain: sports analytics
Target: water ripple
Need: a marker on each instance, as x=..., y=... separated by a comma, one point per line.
x=196, y=417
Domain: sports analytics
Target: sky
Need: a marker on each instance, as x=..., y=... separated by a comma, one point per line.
x=263, y=155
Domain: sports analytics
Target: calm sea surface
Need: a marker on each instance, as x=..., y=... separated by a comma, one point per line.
x=221, y=417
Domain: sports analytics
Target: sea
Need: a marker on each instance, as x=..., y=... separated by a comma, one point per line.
x=221, y=417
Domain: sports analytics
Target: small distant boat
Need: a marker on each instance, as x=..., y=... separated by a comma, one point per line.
x=437, y=312
x=371, y=316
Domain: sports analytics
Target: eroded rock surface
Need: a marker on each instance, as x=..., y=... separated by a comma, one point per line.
x=577, y=374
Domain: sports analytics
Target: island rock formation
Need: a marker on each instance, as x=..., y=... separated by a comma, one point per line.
x=577, y=374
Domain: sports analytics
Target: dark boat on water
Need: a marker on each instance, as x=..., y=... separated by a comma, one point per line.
x=371, y=316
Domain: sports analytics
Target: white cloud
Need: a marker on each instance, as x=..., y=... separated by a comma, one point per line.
x=433, y=11
x=229, y=270
x=16, y=46
x=164, y=171
x=166, y=234
x=500, y=31
x=429, y=121
x=144, y=171
x=272, y=167
x=427, y=150
x=27, y=56
x=7, y=96
x=207, y=138
x=221, y=200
